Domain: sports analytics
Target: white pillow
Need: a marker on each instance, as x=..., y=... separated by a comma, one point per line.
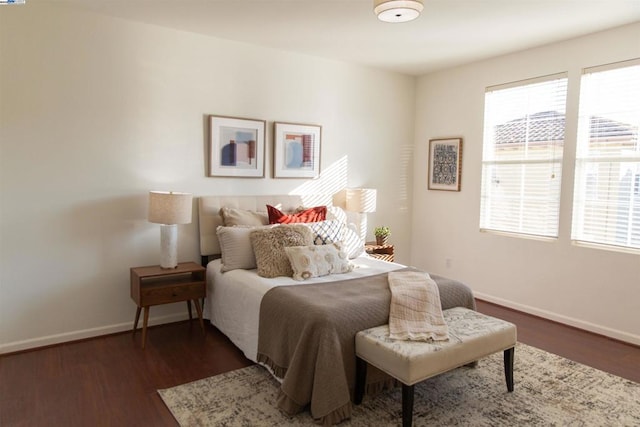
x=352, y=243
x=317, y=260
x=235, y=247
x=337, y=213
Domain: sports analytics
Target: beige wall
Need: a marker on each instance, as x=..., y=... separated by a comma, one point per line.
x=593, y=289
x=95, y=112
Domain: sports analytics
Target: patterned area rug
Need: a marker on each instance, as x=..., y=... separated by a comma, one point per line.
x=549, y=390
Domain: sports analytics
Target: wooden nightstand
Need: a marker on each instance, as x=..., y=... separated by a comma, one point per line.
x=383, y=252
x=153, y=285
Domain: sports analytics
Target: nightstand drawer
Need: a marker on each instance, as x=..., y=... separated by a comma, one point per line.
x=153, y=295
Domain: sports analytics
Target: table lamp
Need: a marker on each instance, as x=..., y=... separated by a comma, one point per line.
x=169, y=209
x=363, y=201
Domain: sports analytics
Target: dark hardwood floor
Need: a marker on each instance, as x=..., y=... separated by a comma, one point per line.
x=111, y=381
x=597, y=351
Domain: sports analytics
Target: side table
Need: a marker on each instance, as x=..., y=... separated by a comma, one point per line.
x=383, y=252
x=153, y=285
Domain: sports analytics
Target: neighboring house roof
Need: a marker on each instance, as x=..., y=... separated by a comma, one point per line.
x=543, y=126
x=549, y=126
x=604, y=128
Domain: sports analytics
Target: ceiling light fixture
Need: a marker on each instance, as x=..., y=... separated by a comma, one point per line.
x=397, y=10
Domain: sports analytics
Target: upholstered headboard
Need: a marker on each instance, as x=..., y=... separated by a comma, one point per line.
x=209, y=213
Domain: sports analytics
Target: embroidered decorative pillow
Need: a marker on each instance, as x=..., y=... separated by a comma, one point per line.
x=325, y=232
x=269, y=244
x=318, y=213
x=234, y=216
x=235, y=247
x=317, y=260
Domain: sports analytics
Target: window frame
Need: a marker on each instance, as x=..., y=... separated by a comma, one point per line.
x=489, y=221
x=585, y=161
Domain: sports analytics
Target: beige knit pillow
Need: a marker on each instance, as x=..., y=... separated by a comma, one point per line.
x=268, y=247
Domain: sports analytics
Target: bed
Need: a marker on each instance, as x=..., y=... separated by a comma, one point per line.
x=302, y=331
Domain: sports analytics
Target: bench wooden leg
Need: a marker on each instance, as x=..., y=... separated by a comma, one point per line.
x=407, y=405
x=508, y=367
x=361, y=379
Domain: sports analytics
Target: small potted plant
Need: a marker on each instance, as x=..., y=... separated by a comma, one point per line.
x=382, y=235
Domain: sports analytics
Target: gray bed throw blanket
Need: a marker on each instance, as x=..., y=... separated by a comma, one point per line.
x=307, y=337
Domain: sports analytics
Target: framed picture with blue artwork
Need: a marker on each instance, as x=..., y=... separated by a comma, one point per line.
x=236, y=147
x=445, y=164
x=296, y=152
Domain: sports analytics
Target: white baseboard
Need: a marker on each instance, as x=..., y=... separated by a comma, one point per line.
x=121, y=327
x=581, y=324
x=85, y=333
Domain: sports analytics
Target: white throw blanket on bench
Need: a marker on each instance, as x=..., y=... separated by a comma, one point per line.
x=415, y=312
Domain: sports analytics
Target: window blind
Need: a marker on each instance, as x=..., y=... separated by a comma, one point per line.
x=606, y=201
x=524, y=124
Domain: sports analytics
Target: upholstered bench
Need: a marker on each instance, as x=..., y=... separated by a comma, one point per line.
x=472, y=336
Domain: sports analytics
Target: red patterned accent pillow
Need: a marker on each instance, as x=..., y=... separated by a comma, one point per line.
x=319, y=213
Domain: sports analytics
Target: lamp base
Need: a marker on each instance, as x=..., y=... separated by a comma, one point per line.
x=362, y=226
x=168, y=246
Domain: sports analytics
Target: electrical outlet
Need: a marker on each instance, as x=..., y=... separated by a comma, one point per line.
x=448, y=262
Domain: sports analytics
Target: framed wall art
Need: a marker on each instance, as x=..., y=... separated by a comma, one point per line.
x=236, y=147
x=445, y=164
x=296, y=151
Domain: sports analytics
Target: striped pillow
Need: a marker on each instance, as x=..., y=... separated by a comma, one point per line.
x=235, y=247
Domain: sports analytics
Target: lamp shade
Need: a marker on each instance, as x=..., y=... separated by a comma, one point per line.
x=167, y=207
x=361, y=200
x=397, y=10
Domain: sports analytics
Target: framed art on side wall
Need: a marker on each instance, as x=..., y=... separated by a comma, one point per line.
x=296, y=151
x=236, y=147
x=445, y=164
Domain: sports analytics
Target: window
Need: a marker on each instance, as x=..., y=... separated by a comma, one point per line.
x=524, y=126
x=606, y=203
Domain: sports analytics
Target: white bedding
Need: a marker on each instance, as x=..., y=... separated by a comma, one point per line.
x=233, y=297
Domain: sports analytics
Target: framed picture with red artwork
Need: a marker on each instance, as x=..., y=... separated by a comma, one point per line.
x=296, y=152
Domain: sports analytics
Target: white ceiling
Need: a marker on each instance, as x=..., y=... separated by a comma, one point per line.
x=449, y=32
